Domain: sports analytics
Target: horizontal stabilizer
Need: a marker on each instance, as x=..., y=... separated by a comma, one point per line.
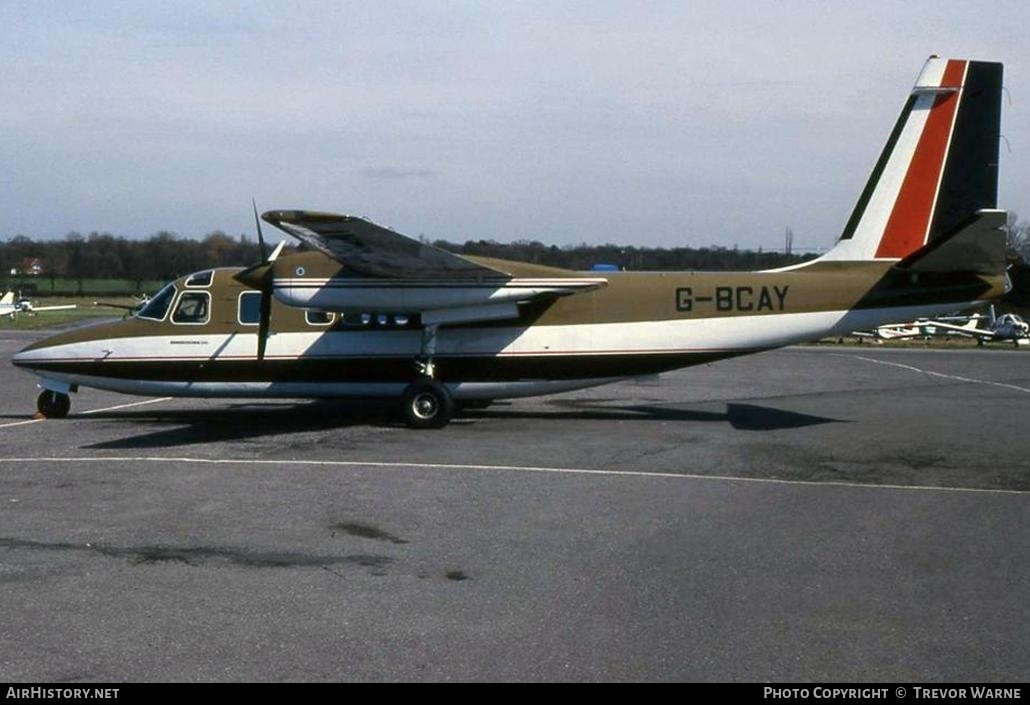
x=977, y=246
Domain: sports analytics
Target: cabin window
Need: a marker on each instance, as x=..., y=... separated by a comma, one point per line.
x=318, y=318
x=193, y=307
x=200, y=279
x=250, y=308
x=157, y=308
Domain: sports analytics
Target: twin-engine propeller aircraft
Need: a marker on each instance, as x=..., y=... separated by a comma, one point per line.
x=367, y=312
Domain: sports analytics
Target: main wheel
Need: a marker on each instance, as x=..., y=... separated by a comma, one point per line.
x=53, y=405
x=427, y=404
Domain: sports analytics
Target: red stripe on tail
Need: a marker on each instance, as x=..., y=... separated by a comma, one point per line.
x=909, y=220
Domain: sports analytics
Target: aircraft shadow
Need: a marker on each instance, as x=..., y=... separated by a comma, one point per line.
x=742, y=417
x=253, y=421
x=241, y=422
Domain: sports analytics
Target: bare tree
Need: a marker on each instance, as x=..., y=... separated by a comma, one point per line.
x=1017, y=236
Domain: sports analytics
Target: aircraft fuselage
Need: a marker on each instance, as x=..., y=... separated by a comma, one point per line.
x=638, y=324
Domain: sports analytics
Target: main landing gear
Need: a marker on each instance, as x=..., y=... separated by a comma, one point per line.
x=53, y=405
x=426, y=403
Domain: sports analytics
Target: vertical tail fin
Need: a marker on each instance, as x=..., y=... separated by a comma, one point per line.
x=938, y=168
x=8, y=298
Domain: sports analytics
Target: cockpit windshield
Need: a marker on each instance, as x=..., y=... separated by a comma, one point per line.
x=157, y=308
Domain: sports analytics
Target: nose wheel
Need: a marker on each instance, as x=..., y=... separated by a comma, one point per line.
x=53, y=405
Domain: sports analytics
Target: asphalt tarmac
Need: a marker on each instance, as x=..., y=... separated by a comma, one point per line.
x=811, y=514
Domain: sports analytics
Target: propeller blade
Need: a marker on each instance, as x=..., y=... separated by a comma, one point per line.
x=266, y=313
x=261, y=238
x=278, y=249
x=261, y=277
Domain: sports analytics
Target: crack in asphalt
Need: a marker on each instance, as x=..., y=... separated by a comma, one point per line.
x=198, y=555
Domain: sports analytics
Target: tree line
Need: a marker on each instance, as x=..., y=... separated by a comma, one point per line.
x=164, y=256
x=633, y=258
x=160, y=257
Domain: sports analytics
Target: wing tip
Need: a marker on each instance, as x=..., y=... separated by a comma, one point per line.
x=296, y=216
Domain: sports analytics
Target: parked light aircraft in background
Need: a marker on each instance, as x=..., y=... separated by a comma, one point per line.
x=924, y=328
x=368, y=312
x=896, y=331
x=1007, y=327
x=11, y=308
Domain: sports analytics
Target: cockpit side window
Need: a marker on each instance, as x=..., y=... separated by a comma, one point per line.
x=200, y=279
x=194, y=307
x=157, y=308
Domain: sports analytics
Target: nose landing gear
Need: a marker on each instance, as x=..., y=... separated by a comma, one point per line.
x=53, y=405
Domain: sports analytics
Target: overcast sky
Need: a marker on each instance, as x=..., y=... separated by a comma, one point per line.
x=653, y=123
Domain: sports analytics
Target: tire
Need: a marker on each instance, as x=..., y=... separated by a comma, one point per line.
x=427, y=404
x=53, y=405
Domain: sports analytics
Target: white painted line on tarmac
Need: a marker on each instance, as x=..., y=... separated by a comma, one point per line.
x=496, y=468
x=21, y=423
x=91, y=411
x=955, y=378
x=125, y=406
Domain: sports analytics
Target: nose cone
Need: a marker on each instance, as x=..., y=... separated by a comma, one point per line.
x=33, y=357
x=71, y=346
x=23, y=358
x=36, y=353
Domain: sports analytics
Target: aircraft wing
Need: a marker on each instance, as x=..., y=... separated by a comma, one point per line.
x=387, y=271
x=897, y=332
x=37, y=309
x=377, y=251
x=964, y=330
